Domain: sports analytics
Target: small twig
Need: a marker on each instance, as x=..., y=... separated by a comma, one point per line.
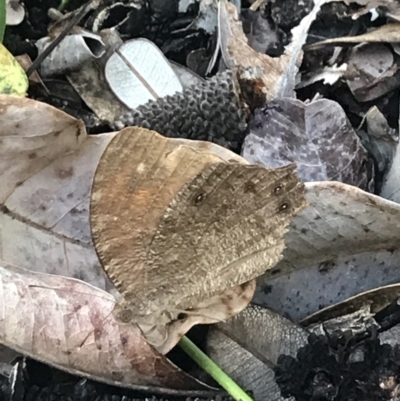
x=214, y=370
x=256, y=5
x=74, y=21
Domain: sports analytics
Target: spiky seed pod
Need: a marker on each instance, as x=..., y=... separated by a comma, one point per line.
x=211, y=111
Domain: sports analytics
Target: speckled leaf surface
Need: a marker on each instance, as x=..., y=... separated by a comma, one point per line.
x=47, y=163
x=70, y=325
x=344, y=243
x=317, y=136
x=255, y=337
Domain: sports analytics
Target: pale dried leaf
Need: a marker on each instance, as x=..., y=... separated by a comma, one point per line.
x=15, y=12
x=329, y=75
x=357, y=322
x=90, y=83
x=25, y=62
x=70, y=325
x=47, y=163
x=138, y=72
x=71, y=53
x=389, y=33
x=344, y=243
x=207, y=17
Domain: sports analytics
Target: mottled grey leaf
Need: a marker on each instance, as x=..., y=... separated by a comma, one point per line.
x=344, y=243
x=381, y=142
x=372, y=71
x=247, y=347
x=317, y=136
x=243, y=367
x=391, y=184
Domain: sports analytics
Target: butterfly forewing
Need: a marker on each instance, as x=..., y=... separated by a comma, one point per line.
x=138, y=176
x=225, y=227
x=173, y=225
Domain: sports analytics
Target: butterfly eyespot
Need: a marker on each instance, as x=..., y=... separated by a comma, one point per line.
x=277, y=189
x=249, y=187
x=199, y=198
x=125, y=315
x=283, y=207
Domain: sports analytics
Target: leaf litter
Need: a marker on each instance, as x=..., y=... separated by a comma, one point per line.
x=343, y=244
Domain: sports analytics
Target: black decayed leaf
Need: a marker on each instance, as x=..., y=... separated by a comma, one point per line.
x=341, y=367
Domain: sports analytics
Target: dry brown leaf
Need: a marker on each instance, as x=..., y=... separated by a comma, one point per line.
x=70, y=325
x=389, y=33
x=268, y=77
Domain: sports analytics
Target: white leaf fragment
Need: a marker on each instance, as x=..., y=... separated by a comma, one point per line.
x=139, y=72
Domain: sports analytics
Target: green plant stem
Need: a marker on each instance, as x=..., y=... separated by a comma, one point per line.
x=214, y=370
x=62, y=5
x=2, y=19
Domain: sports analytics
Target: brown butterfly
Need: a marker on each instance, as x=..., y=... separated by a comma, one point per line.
x=175, y=225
